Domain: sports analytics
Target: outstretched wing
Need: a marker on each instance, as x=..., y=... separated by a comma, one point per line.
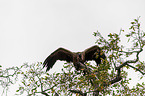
x=94, y=53
x=59, y=54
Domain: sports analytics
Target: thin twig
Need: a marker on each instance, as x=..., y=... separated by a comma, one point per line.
x=136, y=69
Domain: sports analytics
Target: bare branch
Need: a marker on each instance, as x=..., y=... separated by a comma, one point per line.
x=131, y=61
x=136, y=69
x=45, y=94
x=117, y=79
x=79, y=92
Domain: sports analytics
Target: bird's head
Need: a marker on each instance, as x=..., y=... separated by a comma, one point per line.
x=80, y=56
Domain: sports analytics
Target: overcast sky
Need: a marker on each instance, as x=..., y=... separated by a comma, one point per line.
x=31, y=29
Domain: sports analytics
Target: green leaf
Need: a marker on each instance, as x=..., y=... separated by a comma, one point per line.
x=132, y=32
x=138, y=25
x=17, y=90
x=135, y=20
x=128, y=40
x=128, y=35
x=95, y=34
x=141, y=77
x=132, y=22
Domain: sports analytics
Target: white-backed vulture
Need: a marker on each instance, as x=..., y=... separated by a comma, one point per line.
x=92, y=53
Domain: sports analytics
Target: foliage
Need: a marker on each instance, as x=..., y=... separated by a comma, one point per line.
x=109, y=78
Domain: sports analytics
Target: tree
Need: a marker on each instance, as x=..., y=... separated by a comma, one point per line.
x=109, y=78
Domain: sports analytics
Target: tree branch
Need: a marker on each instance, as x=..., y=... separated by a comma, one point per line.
x=136, y=69
x=44, y=93
x=117, y=79
x=79, y=92
x=131, y=61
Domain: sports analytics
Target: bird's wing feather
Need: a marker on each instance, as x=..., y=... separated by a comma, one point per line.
x=94, y=53
x=59, y=54
x=90, y=52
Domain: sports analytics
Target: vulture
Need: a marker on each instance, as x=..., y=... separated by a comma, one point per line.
x=92, y=53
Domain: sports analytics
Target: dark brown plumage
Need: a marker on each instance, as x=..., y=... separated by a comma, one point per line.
x=92, y=53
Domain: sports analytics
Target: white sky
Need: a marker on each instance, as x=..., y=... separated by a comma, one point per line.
x=31, y=29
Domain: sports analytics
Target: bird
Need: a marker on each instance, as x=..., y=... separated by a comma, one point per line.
x=93, y=53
